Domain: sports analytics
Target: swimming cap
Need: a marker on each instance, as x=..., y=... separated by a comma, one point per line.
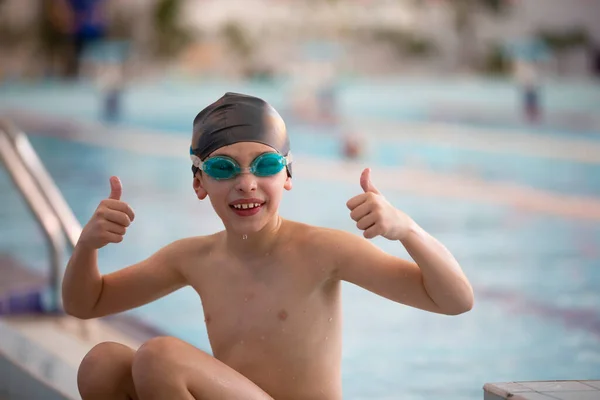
x=238, y=118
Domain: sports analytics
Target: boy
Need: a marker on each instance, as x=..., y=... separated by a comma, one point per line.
x=270, y=288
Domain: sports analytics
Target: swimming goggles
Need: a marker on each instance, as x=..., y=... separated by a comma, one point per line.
x=224, y=167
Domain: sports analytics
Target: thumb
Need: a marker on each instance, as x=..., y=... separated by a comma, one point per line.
x=365, y=182
x=116, y=189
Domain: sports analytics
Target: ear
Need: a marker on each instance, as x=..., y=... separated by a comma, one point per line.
x=287, y=185
x=201, y=193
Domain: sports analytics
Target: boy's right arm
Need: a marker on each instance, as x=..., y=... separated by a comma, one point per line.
x=88, y=294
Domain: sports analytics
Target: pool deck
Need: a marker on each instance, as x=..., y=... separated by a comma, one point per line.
x=544, y=390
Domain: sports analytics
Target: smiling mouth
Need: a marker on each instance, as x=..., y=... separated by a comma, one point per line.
x=245, y=206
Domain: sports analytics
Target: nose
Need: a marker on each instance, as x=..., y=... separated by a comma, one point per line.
x=246, y=183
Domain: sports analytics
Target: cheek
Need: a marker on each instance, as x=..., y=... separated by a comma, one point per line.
x=217, y=195
x=274, y=191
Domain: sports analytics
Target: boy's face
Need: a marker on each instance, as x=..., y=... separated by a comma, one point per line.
x=244, y=188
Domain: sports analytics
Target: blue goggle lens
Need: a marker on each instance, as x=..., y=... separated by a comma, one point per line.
x=222, y=167
x=268, y=164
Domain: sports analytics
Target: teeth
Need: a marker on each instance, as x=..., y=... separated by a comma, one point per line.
x=246, y=206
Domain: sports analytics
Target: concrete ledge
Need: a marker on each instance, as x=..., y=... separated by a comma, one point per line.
x=27, y=371
x=543, y=390
x=22, y=385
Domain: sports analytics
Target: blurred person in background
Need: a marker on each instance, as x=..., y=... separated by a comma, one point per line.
x=352, y=146
x=526, y=75
x=70, y=27
x=595, y=56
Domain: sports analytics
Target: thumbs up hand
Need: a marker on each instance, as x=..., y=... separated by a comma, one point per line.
x=375, y=215
x=110, y=220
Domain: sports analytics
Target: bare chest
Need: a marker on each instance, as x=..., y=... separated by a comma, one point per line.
x=272, y=303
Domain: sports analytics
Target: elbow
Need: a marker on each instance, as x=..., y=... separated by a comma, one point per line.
x=462, y=305
x=76, y=312
x=69, y=306
x=459, y=309
x=73, y=308
x=76, y=305
x=81, y=316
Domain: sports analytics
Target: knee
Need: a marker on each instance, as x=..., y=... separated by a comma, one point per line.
x=155, y=353
x=104, y=368
x=154, y=359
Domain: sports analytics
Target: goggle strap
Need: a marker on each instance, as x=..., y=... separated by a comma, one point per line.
x=196, y=161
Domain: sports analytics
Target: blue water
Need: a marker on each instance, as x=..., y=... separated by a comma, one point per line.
x=568, y=106
x=536, y=277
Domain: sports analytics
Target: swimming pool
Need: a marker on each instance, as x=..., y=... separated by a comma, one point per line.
x=536, y=276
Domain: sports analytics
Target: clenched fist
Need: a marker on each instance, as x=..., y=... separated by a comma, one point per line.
x=110, y=220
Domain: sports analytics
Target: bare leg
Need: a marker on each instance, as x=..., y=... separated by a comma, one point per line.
x=105, y=373
x=168, y=368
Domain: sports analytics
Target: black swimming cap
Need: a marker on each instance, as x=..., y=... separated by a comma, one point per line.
x=238, y=118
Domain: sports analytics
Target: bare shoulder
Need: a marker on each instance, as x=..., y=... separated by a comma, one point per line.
x=326, y=239
x=305, y=235
x=189, y=250
x=329, y=244
x=193, y=245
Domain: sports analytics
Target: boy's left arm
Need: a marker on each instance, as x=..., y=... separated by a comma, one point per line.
x=436, y=283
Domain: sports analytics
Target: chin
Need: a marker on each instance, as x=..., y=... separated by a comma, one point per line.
x=246, y=225
x=249, y=227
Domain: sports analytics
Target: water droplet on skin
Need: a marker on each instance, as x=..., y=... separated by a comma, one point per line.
x=244, y=236
x=330, y=319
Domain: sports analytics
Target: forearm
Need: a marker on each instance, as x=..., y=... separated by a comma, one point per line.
x=443, y=277
x=82, y=282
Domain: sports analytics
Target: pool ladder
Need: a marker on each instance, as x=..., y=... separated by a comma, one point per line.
x=45, y=201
